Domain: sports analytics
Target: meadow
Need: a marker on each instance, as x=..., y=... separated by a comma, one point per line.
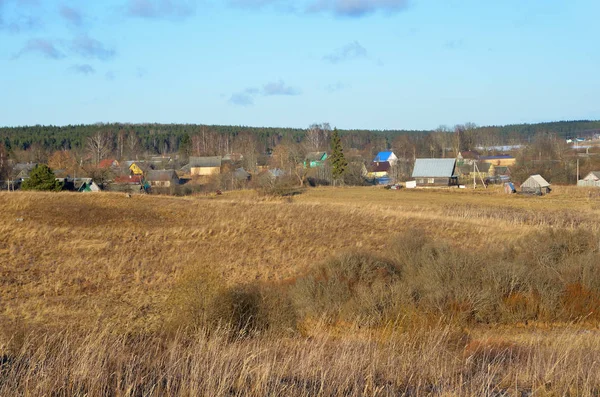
x=335, y=291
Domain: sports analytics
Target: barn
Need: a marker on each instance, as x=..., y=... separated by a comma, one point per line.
x=435, y=172
x=535, y=184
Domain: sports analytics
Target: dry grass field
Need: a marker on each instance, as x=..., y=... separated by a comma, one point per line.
x=336, y=291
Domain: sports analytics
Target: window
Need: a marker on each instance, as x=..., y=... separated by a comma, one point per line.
x=430, y=180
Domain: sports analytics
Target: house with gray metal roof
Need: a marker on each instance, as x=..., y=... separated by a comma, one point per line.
x=204, y=166
x=435, y=172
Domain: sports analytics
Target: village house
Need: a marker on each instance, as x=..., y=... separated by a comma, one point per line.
x=163, y=178
x=379, y=170
x=203, y=166
x=108, y=163
x=315, y=159
x=388, y=156
x=435, y=172
x=467, y=157
x=135, y=167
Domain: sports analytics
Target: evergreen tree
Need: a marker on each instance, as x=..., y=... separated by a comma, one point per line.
x=41, y=178
x=338, y=161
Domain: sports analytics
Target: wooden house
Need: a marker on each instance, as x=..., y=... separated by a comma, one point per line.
x=135, y=168
x=435, y=172
x=315, y=159
x=535, y=184
x=204, y=166
x=379, y=170
x=164, y=178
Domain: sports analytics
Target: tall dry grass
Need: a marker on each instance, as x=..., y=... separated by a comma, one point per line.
x=348, y=292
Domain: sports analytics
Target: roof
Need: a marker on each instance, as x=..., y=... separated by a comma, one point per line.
x=384, y=156
x=499, y=157
x=593, y=174
x=382, y=166
x=163, y=175
x=241, y=174
x=24, y=166
x=197, y=162
x=434, y=168
x=107, y=163
x=538, y=181
x=316, y=156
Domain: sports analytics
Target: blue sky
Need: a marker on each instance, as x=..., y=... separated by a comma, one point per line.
x=383, y=64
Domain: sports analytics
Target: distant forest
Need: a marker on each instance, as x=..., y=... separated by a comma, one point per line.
x=167, y=138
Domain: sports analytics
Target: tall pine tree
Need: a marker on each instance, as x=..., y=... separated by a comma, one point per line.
x=338, y=161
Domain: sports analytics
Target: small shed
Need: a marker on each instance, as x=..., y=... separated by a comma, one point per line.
x=535, y=184
x=435, y=172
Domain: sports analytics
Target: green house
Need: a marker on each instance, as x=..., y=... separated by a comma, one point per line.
x=315, y=159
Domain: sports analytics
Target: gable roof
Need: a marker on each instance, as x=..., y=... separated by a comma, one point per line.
x=499, y=157
x=593, y=175
x=107, y=163
x=384, y=156
x=536, y=180
x=434, y=168
x=163, y=175
x=316, y=156
x=198, y=162
x=383, y=166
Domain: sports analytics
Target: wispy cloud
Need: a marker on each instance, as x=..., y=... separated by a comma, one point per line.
x=45, y=47
x=248, y=96
x=71, y=15
x=348, y=52
x=335, y=87
x=161, y=9
x=279, y=88
x=241, y=99
x=343, y=8
x=83, y=69
x=89, y=47
x=357, y=8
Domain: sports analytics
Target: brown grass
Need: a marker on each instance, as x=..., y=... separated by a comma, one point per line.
x=95, y=290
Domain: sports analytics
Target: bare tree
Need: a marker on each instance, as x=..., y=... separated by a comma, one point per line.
x=133, y=144
x=316, y=136
x=99, y=145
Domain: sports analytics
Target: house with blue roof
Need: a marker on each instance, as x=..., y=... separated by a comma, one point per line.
x=390, y=157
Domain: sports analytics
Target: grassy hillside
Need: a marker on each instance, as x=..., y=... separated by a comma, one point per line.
x=348, y=291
